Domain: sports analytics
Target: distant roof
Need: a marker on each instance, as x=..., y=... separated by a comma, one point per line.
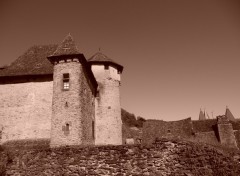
x=67, y=47
x=229, y=115
x=33, y=62
x=202, y=115
x=100, y=58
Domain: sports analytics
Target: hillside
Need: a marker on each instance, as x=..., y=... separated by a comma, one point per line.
x=130, y=119
x=165, y=157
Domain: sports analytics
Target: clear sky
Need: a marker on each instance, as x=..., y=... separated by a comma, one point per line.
x=178, y=55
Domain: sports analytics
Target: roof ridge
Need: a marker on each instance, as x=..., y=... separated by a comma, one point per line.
x=67, y=47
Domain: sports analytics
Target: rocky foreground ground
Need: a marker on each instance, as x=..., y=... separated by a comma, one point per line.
x=165, y=157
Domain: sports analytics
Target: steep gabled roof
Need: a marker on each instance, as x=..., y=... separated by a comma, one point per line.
x=100, y=58
x=229, y=115
x=67, y=47
x=33, y=62
x=68, y=50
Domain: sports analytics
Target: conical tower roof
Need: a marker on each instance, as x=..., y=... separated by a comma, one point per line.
x=229, y=115
x=67, y=47
x=202, y=115
x=100, y=58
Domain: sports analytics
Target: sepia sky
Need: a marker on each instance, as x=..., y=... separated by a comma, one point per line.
x=178, y=55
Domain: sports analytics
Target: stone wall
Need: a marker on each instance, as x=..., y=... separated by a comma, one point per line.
x=164, y=158
x=225, y=132
x=204, y=125
x=206, y=137
x=88, y=109
x=237, y=137
x=153, y=129
x=108, y=110
x=25, y=110
x=131, y=133
x=72, y=109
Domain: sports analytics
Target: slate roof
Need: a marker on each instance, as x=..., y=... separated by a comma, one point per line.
x=100, y=58
x=33, y=62
x=67, y=47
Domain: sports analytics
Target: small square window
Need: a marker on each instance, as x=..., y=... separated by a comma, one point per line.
x=65, y=75
x=66, y=85
x=106, y=67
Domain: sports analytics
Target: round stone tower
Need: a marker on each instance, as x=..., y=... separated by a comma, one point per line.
x=74, y=90
x=108, y=123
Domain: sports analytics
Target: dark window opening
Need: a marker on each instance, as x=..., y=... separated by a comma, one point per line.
x=66, y=129
x=65, y=75
x=109, y=107
x=106, y=67
x=168, y=131
x=66, y=84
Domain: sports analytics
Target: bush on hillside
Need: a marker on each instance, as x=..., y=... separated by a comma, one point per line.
x=130, y=119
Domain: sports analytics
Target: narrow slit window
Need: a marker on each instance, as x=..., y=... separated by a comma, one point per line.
x=93, y=130
x=67, y=127
x=66, y=84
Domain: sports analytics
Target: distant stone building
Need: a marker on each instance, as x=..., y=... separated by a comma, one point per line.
x=219, y=131
x=53, y=92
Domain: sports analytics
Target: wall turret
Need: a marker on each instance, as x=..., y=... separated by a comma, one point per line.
x=74, y=88
x=108, y=126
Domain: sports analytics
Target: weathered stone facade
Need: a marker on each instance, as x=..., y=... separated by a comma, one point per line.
x=38, y=102
x=72, y=109
x=108, y=110
x=153, y=129
x=225, y=132
x=25, y=110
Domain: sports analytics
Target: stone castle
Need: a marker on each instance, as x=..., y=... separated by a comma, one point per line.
x=53, y=92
